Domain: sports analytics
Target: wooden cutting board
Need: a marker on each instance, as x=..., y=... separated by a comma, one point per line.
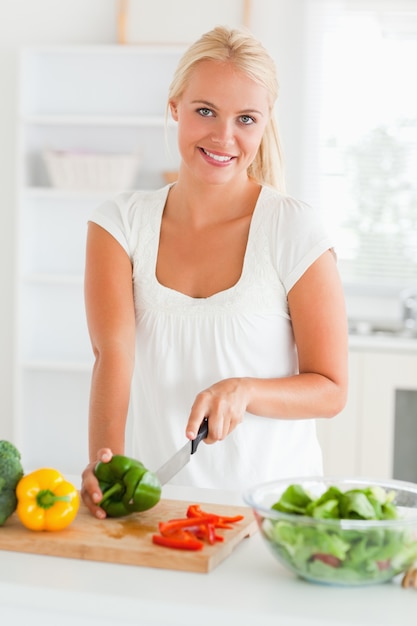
x=128, y=540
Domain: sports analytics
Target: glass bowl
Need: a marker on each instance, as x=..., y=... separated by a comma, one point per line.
x=339, y=551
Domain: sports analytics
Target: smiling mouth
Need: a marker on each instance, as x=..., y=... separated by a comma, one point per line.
x=217, y=157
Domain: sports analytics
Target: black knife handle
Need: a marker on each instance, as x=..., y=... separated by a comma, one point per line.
x=202, y=434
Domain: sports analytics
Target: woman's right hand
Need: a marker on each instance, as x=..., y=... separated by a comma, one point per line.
x=90, y=490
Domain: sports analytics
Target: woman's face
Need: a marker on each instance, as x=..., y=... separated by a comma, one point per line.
x=221, y=118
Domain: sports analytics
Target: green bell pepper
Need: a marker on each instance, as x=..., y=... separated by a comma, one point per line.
x=127, y=486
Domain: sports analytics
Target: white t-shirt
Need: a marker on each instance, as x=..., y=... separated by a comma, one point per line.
x=185, y=344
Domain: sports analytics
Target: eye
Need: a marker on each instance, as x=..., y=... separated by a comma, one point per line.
x=204, y=112
x=247, y=120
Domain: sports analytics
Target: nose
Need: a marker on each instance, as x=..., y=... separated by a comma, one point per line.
x=223, y=134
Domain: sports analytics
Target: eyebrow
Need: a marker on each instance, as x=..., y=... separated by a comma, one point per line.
x=211, y=105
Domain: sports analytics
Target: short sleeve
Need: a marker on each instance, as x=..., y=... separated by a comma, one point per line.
x=113, y=217
x=301, y=239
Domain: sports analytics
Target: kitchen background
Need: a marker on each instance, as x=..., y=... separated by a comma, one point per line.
x=348, y=119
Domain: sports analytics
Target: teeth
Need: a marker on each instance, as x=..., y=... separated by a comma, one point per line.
x=217, y=157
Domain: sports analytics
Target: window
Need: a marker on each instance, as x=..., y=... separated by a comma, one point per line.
x=362, y=130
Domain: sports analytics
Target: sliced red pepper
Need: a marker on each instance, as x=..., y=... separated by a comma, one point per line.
x=190, y=532
x=221, y=524
x=174, y=525
x=194, y=510
x=208, y=532
x=181, y=540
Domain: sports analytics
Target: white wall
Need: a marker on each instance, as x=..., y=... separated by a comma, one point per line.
x=37, y=22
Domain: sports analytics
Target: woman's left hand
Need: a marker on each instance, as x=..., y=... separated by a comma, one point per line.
x=224, y=404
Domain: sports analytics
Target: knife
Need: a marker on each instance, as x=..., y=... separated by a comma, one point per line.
x=182, y=457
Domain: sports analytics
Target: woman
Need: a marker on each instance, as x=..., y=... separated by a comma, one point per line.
x=217, y=296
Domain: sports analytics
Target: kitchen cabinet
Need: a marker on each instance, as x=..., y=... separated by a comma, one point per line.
x=78, y=100
x=374, y=436
x=339, y=436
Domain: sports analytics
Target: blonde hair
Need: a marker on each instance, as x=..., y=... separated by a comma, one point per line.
x=248, y=56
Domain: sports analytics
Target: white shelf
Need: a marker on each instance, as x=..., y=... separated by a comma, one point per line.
x=96, y=120
x=52, y=193
x=53, y=279
x=58, y=366
x=101, y=50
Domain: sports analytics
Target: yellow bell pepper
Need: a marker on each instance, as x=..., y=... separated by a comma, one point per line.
x=46, y=501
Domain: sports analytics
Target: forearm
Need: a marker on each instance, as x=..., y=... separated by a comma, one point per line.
x=302, y=396
x=306, y=395
x=109, y=402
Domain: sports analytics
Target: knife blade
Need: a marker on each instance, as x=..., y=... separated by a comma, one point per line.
x=180, y=459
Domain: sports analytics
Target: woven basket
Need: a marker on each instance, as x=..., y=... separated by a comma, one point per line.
x=94, y=171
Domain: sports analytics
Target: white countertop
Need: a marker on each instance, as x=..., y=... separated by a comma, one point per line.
x=385, y=343
x=249, y=588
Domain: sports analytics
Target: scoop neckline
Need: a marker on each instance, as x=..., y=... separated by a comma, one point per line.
x=218, y=294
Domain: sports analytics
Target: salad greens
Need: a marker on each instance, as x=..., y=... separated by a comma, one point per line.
x=335, y=554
